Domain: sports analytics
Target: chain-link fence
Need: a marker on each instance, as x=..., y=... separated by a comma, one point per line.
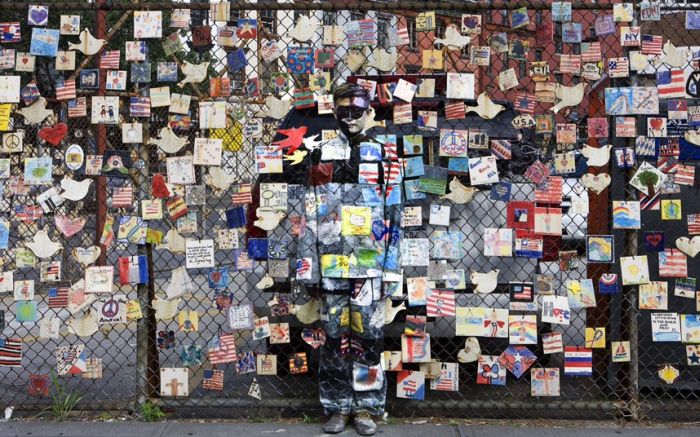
x=524, y=59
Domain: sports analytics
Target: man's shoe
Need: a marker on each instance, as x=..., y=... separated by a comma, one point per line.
x=364, y=424
x=336, y=424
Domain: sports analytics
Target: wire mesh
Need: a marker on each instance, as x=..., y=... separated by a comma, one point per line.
x=133, y=353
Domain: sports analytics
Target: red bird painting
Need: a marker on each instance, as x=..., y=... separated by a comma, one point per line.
x=294, y=140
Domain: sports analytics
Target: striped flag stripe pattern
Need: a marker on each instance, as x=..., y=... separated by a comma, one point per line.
x=5, y=29
x=670, y=83
x=673, y=264
x=652, y=44
x=649, y=204
x=694, y=224
x=440, y=303
x=501, y=149
x=140, y=106
x=225, y=352
x=618, y=67
x=122, y=196
x=244, y=194
x=591, y=52
x=570, y=64
x=65, y=90
x=525, y=292
x=526, y=103
x=369, y=173
x=11, y=352
x=110, y=59
x=552, y=342
x=455, y=110
x=402, y=36
x=58, y=297
x=578, y=361
x=392, y=172
x=213, y=379
x=77, y=107
x=551, y=191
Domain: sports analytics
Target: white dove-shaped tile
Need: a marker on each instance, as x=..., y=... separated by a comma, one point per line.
x=673, y=56
x=371, y=122
x=311, y=143
x=304, y=29
x=268, y=219
x=485, y=282
x=165, y=309
x=218, y=179
x=277, y=108
x=596, y=156
x=42, y=246
x=485, y=107
x=390, y=311
x=692, y=136
x=453, y=39
x=88, y=44
x=168, y=141
x=194, y=73
x=173, y=241
x=36, y=112
x=382, y=60
x=459, y=193
x=308, y=312
x=568, y=96
x=84, y=327
x=75, y=190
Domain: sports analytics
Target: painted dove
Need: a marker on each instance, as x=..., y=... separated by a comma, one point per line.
x=485, y=282
x=459, y=193
x=596, y=156
x=89, y=45
x=453, y=39
x=168, y=141
x=692, y=136
x=75, y=190
x=568, y=96
x=308, y=312
x=296, y=157
x=36, y=112
x=218, y=179
x=390, y=311
x=268, y=219
x=194, y=73
x=311, y=143
x=382, y=60
x=673, y=56
x=485, y=107
x=294, y=140
x=371, y=122
x=276, y=108
x=304, y=29
x=173, y=241
x=42, y=246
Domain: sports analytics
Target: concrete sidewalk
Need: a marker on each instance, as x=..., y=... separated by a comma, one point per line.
x=227, y=429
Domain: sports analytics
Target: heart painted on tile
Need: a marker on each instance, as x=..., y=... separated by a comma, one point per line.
x=39, y=384
x=690, y=247
x=38, y=15
x=69, y=226
x=55, y=134
x=654, y=239
x=595, y=183
x=314, y=337
x=86, y=255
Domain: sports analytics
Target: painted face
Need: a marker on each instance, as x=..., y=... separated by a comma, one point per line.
x=351, y=113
